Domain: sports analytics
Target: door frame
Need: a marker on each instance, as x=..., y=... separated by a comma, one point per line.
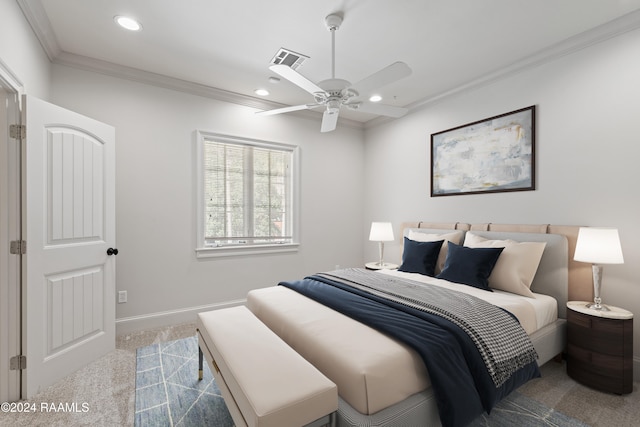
x=11, y=265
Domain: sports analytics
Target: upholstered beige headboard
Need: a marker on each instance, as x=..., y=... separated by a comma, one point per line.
x=580, y=276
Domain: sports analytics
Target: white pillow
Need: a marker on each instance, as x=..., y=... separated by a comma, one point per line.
x=517, y=265
x=455, y=237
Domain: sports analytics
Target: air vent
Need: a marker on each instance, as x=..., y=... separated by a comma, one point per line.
x=289, y=57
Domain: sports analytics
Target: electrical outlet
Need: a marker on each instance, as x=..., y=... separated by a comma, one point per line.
x=122, y=297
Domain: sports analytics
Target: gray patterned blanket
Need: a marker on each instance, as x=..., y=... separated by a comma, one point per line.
x=501, y=341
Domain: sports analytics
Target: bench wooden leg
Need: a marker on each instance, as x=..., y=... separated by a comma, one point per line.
x=200, y=356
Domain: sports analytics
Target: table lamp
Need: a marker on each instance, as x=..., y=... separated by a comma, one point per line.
x=598, y=246
x=381, y=232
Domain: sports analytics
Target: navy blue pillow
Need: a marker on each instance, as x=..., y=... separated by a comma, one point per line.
x=420, y=257
x=470, y=266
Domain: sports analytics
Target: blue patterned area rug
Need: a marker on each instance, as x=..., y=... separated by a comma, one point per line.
x=518, y=410
x=168, y=393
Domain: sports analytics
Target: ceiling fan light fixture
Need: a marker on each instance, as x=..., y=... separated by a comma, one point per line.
x=375, y=98
x=128, y=23
x=333, y=105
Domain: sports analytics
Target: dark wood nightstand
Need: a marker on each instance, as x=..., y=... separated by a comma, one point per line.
x=600, y=347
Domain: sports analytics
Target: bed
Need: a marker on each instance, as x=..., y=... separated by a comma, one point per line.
x=384, y=380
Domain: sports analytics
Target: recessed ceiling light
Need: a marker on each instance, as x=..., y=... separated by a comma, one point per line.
x=128, y=23
x=261, y=92
x=375, y=98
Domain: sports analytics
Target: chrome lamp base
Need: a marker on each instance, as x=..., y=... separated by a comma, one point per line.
x=597, y=285
x=599, y=307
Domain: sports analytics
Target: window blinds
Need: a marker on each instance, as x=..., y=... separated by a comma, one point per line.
x=247, y=192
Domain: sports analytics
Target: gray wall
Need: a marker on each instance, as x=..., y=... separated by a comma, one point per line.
x=21, y=53
x=155, y=199
x=588, y=110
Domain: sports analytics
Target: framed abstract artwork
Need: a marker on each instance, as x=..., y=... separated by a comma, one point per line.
x=488, y=156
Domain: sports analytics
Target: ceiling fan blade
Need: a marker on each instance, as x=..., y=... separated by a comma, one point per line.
x=379, y=109
x=329, y=120
x=387, y=75
x=286, y=109
x=296, y=78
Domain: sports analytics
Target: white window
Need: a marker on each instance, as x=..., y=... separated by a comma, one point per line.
x=247, y=195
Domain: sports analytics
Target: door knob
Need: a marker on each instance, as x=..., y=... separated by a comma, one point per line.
x=112, y=251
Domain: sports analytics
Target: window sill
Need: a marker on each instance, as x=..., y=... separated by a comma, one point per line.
x=245, y=250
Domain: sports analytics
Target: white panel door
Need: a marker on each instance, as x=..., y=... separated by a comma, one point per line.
x=69, y=297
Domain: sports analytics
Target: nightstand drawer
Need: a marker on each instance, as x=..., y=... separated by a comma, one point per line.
x=579, y=371
x=578, y=319
x=605, y=336
x=598, y=362
x=597, y=324
x=606, y=373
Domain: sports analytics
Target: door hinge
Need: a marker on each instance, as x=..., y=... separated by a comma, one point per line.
x=18, y=247
x=18, y=131
x=17, y=363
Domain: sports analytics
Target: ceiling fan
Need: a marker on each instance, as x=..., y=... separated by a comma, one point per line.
x=336, y=93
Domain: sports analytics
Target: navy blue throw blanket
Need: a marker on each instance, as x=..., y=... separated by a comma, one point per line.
x=462, y=386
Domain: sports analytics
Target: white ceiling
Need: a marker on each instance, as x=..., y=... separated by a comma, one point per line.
x=228, y=45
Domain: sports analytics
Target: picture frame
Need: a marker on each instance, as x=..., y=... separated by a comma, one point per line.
x=491, y=155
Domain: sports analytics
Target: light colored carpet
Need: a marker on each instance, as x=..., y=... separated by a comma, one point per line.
x=108, y=387
x=556, y=390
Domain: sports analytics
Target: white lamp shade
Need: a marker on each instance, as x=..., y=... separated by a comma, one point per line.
x=598, y=246
x=381, y=232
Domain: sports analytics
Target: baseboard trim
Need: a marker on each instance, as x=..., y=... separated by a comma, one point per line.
x=161, y=319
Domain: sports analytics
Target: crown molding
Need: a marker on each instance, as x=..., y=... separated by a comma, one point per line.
x=611, y=29
x=172, y=83
x=160, y=80
x=551, y=53
x=37, y=17
x=9, y=78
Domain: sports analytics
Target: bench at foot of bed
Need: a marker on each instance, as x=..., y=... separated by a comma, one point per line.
x=264, y=382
